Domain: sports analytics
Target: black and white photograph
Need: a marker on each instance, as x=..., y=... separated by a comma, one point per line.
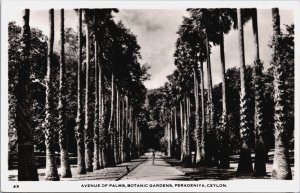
x=141, y=97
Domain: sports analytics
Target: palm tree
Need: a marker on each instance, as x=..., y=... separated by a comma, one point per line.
x=211, y=25
x=117, y=137
x=185, y=61
x=101, y=115
x=63, y=134
x=182, y=131
x=27, y=170
x=205, y=18
x=197, y=112
x=175, y=131
x=225, y=19
x=121, y=135
x=209, y=84
x=224, y=159
x=210, y=108
x=245, y=164
x=255, y=33
x=260, y=155
x=111, y=128
x=260, y=161
x=185, y=133
x=87, y=129
x=123, y=129
x=281, y=165
x=126, y=150
x=188, y=126
x=96, y=119
x=202, y=137
x=79, y=119
x=51, y=168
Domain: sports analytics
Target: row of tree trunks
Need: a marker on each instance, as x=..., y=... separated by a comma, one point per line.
x=91, y=154
x=172, y=134
x=245, y=166
x=111, y=143
x=210, y=134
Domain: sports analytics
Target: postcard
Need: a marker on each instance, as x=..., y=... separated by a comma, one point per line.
x=150, y=96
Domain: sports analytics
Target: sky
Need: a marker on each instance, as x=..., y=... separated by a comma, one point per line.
x=156, y=34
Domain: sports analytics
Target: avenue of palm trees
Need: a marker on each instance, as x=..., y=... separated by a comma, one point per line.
x=97, y=79
x=192, y=124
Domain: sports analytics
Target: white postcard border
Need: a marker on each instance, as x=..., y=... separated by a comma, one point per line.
x=240, y=185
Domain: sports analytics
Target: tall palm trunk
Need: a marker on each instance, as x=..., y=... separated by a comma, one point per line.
x=197, y=115
x=260, y=155
x=101, y=131
x=131, y=120
x=63, y=133
x=27, y=170
x=188, y=127
x=182, y=148
x=255, y=33
x=51, y=168
x=172, y=132
x=260, y=161
x=87, y=128
x=133, y=146
x=117, y=126
x=126, y=147
x=175, y=123
x=244, y=165
x=105, y=132
x=176, y=134
x=203, y=128
x=209, y=134
x=96, y=119
x=111, y=129
x=120, y=128
x=137, y=137
x=281, y=163
x=123, y=125
x=209, y=85
x=79, y=118
x=224, y=157
x=168, y=136
x=185, y=157
x=101, y=113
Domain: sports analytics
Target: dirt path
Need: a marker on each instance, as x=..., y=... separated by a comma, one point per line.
x=161, y=170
